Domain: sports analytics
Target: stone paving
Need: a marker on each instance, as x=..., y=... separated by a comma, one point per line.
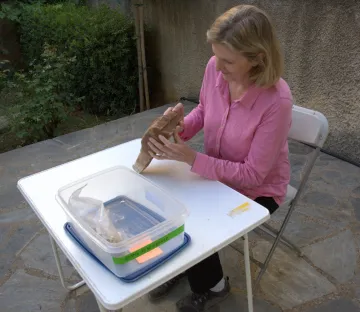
x=326, y=226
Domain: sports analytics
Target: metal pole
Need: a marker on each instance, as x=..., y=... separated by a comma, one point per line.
x=146, y=87
x=248, y=274
x=269, y=230
x=61, y=273
x=140, y=66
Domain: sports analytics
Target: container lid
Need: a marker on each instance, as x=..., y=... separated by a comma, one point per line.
x=118, y=207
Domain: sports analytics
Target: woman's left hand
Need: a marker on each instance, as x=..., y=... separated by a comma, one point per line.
x=173, y=151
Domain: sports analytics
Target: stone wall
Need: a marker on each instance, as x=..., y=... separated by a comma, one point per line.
x=321, y=43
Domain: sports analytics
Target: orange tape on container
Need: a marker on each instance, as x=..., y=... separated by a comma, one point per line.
x=149, y=255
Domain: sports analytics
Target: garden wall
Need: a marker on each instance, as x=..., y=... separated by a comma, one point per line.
x=321, y=43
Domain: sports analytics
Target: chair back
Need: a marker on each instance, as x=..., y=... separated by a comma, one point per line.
x=308, y=126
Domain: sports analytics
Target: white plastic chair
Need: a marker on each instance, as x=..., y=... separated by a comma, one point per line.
x=310, y=128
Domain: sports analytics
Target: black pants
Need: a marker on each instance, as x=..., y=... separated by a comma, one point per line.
x=207, y=273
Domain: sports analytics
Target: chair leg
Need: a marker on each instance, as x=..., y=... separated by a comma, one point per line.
x=309, y=167
x=273, y=233
x=276, y=242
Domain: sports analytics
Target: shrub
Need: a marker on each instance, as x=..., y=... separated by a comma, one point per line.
x=4, y=73
x=43, y=95
x=101, y=40
x=12, y=10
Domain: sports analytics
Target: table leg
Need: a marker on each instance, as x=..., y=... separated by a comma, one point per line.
x=102, y=309
x=248, y=274
x=58, y=264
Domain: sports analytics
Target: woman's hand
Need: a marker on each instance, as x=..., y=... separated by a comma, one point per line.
x=173, y=151
x=180, y=109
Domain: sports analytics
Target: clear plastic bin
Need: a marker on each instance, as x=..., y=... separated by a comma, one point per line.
x=125, y=220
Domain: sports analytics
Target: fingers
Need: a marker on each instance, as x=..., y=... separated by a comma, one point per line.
x=166, y=149
x=174, y=150
x=177, y=137
x=166, y=142
x=179, y=107
x=158, y=157
x=168, y=110
x=155, y=149
x=180, y=127
x=159, y=148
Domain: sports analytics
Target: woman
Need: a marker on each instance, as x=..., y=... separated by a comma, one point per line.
x=245, y=111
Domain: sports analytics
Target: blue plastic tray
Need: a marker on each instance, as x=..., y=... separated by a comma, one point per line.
x=138, y=225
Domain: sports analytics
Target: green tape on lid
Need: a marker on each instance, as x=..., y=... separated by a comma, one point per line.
x=149, y=247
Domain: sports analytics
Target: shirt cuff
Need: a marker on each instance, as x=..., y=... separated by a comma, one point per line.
x=200, y=164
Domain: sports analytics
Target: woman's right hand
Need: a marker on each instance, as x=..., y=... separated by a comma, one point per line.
x=180, y=109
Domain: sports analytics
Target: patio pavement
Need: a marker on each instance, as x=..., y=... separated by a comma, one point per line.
x=326, y=225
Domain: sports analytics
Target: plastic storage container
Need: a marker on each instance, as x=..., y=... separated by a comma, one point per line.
x=126, y=221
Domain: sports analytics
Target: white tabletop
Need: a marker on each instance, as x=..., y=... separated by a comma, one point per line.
x=208, y=224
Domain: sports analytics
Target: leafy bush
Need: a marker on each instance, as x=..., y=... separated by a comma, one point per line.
x=103, y=43
x=12, y=10
x=43, y=96
x=4, y=73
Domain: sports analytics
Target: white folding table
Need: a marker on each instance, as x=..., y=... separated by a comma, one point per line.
x=209, y=225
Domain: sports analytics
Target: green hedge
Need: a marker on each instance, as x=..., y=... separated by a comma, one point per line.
x=101, y=40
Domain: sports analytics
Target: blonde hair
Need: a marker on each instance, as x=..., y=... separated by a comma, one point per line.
x=247, y=29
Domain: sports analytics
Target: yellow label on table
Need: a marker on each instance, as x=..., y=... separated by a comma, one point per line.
x=245, y=206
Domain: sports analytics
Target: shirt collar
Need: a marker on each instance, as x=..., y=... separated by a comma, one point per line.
x=247, y=100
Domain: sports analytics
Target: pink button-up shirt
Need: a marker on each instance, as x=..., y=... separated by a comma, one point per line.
x=245, y=140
